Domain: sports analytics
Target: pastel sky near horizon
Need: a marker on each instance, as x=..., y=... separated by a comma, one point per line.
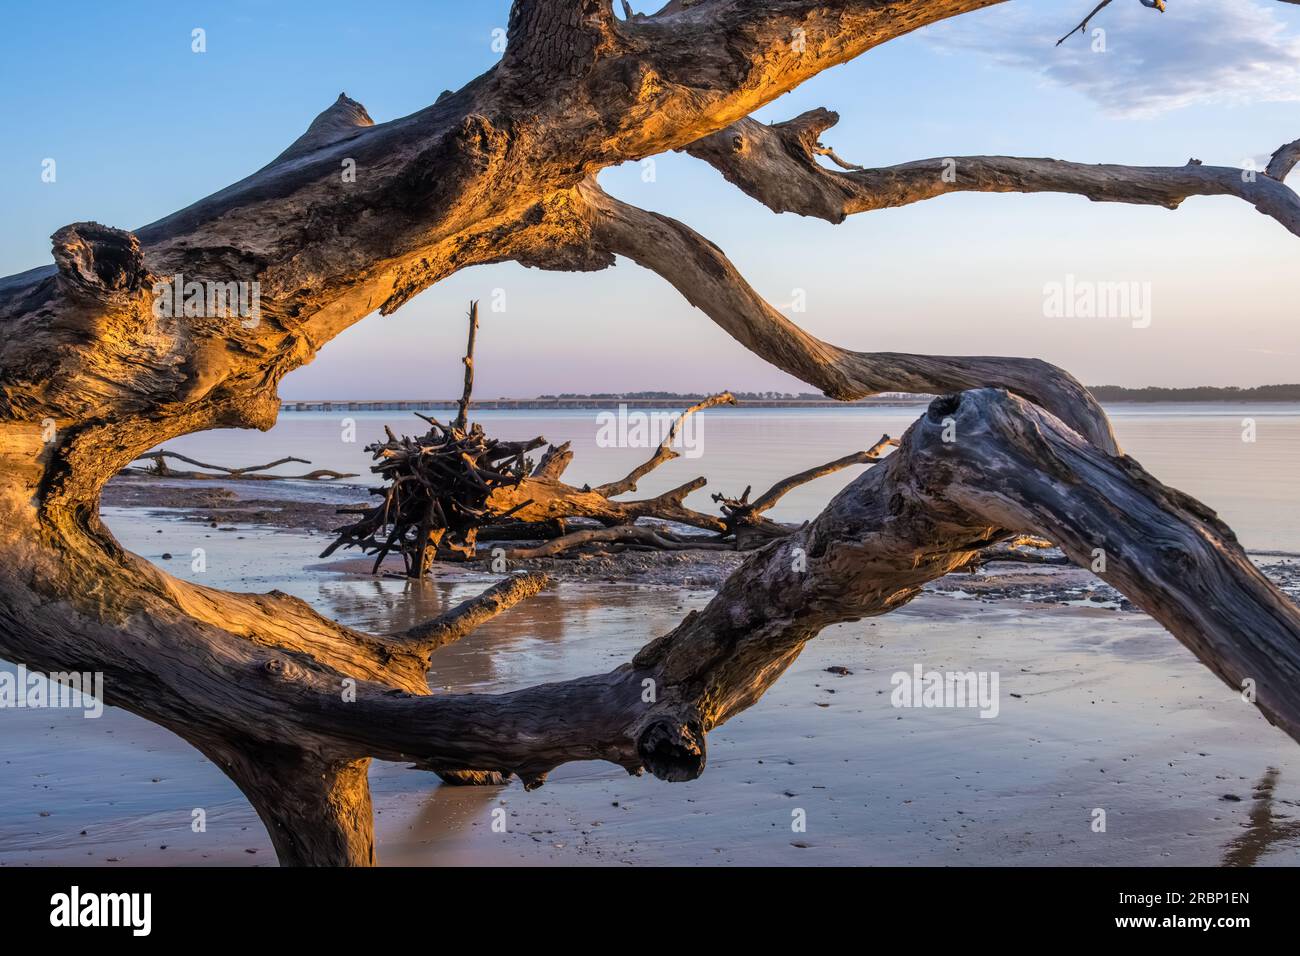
x=141, y=126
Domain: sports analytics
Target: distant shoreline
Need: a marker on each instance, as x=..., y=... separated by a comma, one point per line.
x=583, y=403
x=1106, y=394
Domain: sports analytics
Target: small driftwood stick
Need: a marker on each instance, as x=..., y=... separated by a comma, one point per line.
x=247, y=473
x=664, y=453
x=469, y=615
x=744, y=519
x=462, y=416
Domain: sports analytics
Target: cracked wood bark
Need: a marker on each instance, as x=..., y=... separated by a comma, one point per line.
x=91, y=377
x=546, y=499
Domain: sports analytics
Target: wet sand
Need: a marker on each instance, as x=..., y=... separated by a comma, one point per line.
x=1099, y=708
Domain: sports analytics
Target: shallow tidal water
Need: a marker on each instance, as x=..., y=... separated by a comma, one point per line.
x=1197, y=448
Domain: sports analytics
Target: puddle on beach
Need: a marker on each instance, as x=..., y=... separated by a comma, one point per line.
x=1097, y=710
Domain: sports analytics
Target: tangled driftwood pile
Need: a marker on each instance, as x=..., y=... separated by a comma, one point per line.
x=436, y=496
x=453, y=486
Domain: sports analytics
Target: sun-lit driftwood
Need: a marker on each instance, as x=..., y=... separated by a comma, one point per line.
x=437, y=495
x=777, y=165
x=665, y=451
x=922, y=514
x=707, y=279
x=443, y=488
x=542, y=498
x=92, y=376
x=161, y=469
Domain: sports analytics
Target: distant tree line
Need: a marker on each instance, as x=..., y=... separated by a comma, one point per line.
x=1200, y=393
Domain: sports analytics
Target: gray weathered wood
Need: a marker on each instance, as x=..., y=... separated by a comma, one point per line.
x=92, y=376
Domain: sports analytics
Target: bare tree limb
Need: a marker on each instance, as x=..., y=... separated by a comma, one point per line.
x=701, y=273
x=246, y=473
x=870, y=456
x=462, y=414
x=664, y=452
x=744, y=519
x=777, y=165
x=1083, y=25
x=490, y=173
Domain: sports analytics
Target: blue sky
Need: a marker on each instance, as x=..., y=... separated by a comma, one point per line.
x=140, y=126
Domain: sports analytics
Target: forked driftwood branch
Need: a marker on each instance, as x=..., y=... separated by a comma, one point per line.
x=744, y=518
x=92, y=376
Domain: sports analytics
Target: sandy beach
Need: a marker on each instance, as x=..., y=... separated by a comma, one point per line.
x=1099, y=708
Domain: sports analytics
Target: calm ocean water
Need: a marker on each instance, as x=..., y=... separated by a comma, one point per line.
x=1255, y=486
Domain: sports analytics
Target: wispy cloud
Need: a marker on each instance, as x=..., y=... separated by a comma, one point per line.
x=1198, y=51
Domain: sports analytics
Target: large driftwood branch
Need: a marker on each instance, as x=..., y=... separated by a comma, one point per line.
x=480, y=176
x=926, y=511
x=546, y=499
x=777, y=165
x=702, y=273
x=444, y=487
x=741, y=527
x=262, y=684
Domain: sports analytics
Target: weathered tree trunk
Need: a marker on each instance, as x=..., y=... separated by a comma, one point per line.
x=316, y=812
x=292, y=705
